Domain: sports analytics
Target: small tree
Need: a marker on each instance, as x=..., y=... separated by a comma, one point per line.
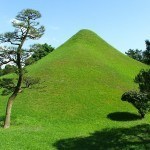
x=29, y=81
x=26, y=27
x=140, y=100
x=146, y=53
x=135, y=54
x=39, y=51
x=8, y=85
x=9, y=69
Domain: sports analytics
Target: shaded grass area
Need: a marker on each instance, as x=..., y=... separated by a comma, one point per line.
x=123, y=116
x=2, y=121
x=135, y=138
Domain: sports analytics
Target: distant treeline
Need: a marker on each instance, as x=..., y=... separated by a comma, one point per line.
x=141, y=55
x=37, y=51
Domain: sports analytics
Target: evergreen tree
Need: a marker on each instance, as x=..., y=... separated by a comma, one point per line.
x=26, y=27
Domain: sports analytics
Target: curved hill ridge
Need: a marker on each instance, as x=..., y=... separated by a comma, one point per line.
x=80, y=81
x=79, y=93
x=87, y=50
x=83, y=71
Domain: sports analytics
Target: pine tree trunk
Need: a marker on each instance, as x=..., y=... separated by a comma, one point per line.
x=8, y=110
x=18, y=87
x=10, y=103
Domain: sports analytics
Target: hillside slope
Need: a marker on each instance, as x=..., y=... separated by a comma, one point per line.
x=83, y=74
x=81, y=84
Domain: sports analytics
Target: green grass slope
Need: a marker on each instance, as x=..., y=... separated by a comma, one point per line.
x=81, y=85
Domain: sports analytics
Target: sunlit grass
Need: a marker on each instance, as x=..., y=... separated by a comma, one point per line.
x=81, y=84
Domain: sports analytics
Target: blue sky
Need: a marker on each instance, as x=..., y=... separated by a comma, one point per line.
x=122, y=23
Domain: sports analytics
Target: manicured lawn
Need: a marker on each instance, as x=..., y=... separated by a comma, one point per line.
x=77, y=103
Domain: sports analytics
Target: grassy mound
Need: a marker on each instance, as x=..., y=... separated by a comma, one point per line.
x=81, y=85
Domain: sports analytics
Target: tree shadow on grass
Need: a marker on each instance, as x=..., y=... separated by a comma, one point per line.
x=123, y=116
x=2, y=118
x=134, y=138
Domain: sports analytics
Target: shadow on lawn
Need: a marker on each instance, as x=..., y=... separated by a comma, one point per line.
x=137, y=137
x=123, y=116
x=2, y=121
